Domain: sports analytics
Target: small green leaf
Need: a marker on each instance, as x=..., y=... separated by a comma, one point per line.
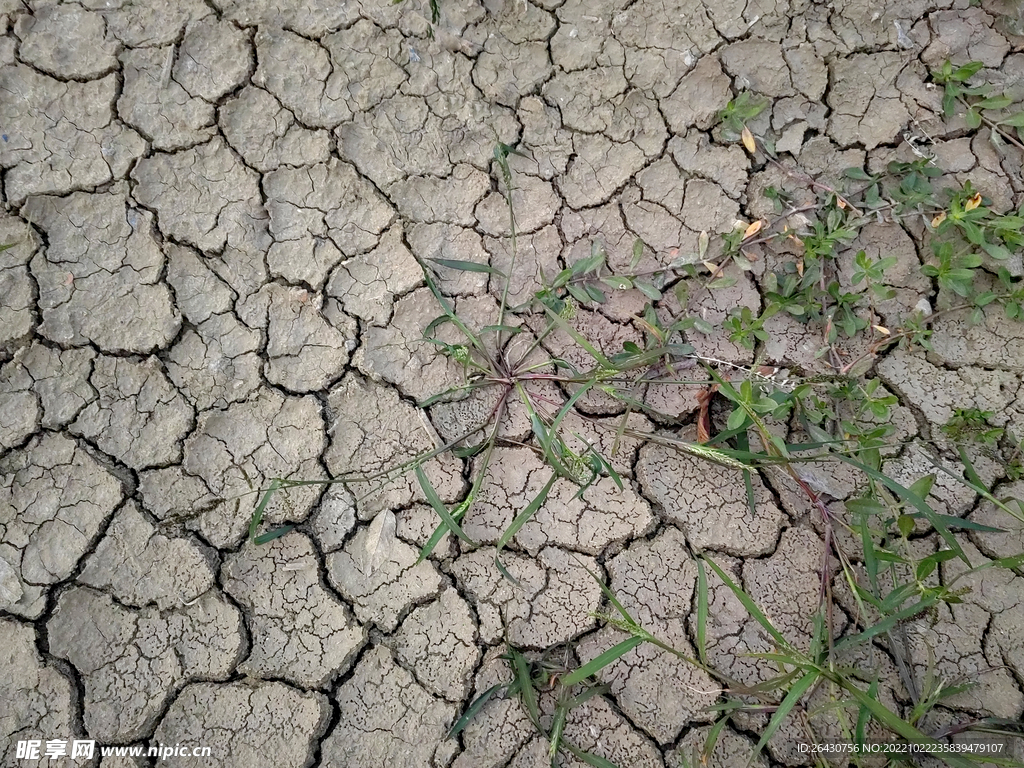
x=866, y=506
x=578, y=293
x=647, y=289
x=723, y=282
x=923, y=486
x=638, y=252
x=972, y=118
x=619, y=283
x=1016, y=120
x=994, y=102
x=967, y=71
x=736, y=419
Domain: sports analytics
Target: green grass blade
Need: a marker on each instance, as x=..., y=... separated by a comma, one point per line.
x=257, y=514
x=920, y=504
x=864, y=716
x=712, y=740
x=505, y=572
x=468, y=266
x=447, y=308
x=798, y=690
x=601, y=661
x=751, y=606
x=589, y=693
x=594, y=352
x=451, y=391
x=527, y=693
x=464, y=508
x=611, y=597
x=526, y=514
x=588, y=758
x=439, y=506
x=473, y=709
x=565, y=410
x=724, y=457
x=898, y=725
x=501, y=329
x=702, y=612
x=870, y=560
x=743, y=444
x=274, y=534
x=887, y=624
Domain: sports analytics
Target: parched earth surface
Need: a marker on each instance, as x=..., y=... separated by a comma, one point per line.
x=216, y=210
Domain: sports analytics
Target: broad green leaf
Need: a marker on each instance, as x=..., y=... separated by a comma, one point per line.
x=967, y=71
x=737, y=418
x=865, y=506
x=579, y=293
x=647, y=289
x=923, y=485
x=857, y=173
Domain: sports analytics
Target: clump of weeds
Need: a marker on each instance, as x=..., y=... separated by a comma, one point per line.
x=845, y=416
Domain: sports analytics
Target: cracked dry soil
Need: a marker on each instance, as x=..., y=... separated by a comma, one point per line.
x=216, y=209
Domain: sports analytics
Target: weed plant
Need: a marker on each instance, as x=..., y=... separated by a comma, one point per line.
x=844, y=414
